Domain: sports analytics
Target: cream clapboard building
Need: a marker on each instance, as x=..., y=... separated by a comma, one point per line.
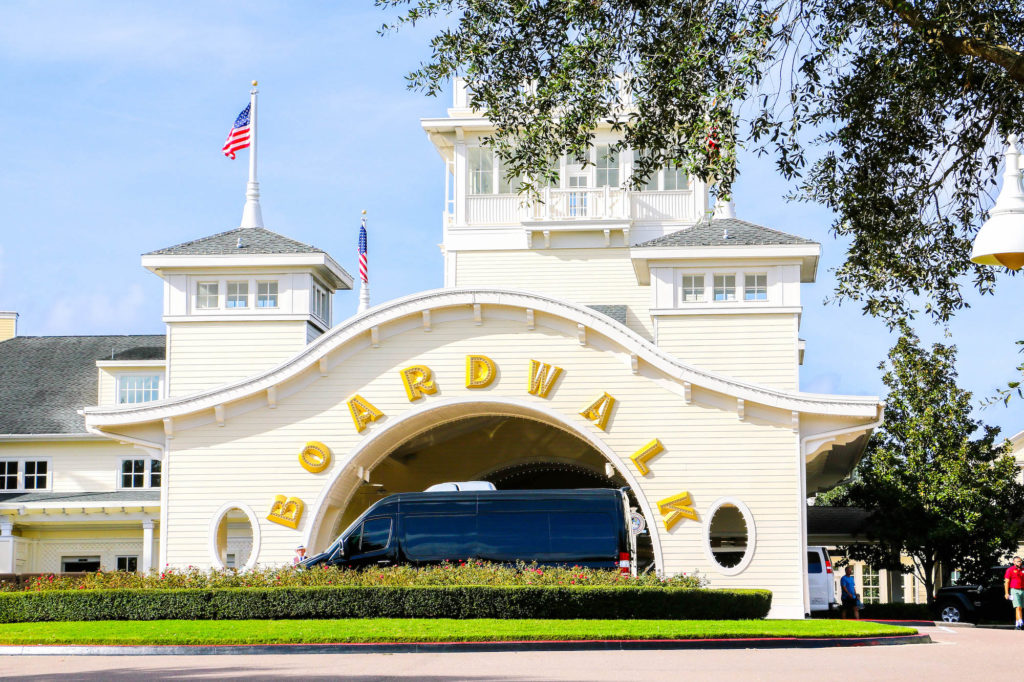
x=601, y=336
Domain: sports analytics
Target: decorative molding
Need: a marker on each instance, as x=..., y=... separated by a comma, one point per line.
x=634, y=363
x=218, y=414
x=529, y=319
x=426, y=320
x=796, y=421
x=607, y=237
x=741, y=409
x=478, y=318
x=375, y=336
x=168, y=428
x=687, y=392
x=581, y=333
x=547, y=239
x=676, y=370
x=323, y=366
x=272, y=397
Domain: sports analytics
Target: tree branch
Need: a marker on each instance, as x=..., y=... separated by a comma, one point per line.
x=1003, y=56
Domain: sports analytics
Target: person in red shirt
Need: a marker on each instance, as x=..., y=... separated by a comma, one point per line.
x=1013, y=586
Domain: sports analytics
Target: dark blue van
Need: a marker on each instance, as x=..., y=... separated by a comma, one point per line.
x=587, y=528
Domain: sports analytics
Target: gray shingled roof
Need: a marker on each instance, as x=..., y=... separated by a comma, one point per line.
x=255, y=241
x=78, y=498
x=835, y=520
x=44, y=380
x=616, y=312
x=726, y=232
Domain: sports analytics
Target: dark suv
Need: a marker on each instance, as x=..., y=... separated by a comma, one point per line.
x=974, y=603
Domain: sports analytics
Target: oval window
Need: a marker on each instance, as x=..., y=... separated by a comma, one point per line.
x=729, y=536
x=234, y=537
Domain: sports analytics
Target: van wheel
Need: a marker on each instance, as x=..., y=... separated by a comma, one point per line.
x=951, y=613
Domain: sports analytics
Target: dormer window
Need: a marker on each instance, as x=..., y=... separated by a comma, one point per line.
x=207, y=295
x=266, y=294
x=725, y=287
x=755, y=287
x=138, y=388
x=238, y=295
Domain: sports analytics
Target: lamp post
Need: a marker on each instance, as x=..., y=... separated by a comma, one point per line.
x=1000, y=241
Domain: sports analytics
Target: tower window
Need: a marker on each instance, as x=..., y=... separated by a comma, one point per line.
x=692, y=288
x=238, y=295
x=207, y=295
x=725, y=287
x=481, y=170
x=266, y=294
x=755, y=287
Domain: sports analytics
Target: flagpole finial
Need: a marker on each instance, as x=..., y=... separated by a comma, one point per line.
x=255, y=83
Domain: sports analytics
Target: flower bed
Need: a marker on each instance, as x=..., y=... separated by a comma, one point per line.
x=462, y=573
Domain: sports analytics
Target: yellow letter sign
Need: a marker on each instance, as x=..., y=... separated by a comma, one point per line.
x=419, y=381
x=649, y=451
x=315, y=457
x=599, y=410
x=542, y=377
x=286, y=510
x=363, y=412
x=676, y=508
x=480, y=371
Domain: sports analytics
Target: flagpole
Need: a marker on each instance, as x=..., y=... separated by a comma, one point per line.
x=252, y=216
x=364, y=288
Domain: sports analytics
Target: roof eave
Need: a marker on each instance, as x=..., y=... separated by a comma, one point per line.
x=808, y=254
x=328, y=268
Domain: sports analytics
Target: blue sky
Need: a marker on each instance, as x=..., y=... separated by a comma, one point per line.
x=113, y=115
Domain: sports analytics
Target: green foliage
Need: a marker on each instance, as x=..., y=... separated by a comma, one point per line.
x=902, y=104
x=462, y=573
x=937, y=491
x=419, y=630
x=384, y=602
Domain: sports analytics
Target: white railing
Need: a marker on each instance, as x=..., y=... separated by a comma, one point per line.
x=666, y=205
x=605, y=203
x=584, y=204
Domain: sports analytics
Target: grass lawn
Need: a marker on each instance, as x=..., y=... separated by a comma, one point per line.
x=420, y=630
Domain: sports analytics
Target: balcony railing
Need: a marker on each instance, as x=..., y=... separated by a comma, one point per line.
x=577, y=205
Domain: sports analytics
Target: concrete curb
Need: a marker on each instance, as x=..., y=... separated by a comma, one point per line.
x=463, y=647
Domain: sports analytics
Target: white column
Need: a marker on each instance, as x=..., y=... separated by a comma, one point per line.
x=147, y=546
x=6, y=545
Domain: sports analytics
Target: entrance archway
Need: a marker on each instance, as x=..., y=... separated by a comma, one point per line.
x=512, y=443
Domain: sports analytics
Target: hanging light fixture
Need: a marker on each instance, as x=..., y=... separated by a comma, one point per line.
x=1000, y=241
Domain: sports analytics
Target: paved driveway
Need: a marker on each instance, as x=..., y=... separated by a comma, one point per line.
x=958, y=653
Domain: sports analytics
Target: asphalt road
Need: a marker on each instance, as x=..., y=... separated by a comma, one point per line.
x=958, y=653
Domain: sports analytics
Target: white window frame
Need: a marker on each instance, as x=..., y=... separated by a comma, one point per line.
x=21, y=474
x=228, y=296
x=200, y=296
x=252, y=293
x=138, y=560
x=119, y=376
x=681, y=287
x=656, y=183
x=276, y=294
x=746, y=286
x=147, y=473
x=600, y=157
x=714, y=287
x=477, y=175
x=318, y=292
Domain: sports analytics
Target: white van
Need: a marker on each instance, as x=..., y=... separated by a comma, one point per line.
x=820, y=582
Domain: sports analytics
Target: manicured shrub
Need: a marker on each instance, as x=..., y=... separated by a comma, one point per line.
x=626, y=602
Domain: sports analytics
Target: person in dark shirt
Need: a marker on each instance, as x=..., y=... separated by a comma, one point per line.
x=848, y=586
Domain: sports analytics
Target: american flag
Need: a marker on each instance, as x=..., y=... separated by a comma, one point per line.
x=362, y=252
x=238, y=138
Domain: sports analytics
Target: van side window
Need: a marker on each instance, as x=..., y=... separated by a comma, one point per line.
x=813, y=562
x=376, y=534
x=371, y=536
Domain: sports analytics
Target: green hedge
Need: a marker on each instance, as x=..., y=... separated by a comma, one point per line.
x=385, y=602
